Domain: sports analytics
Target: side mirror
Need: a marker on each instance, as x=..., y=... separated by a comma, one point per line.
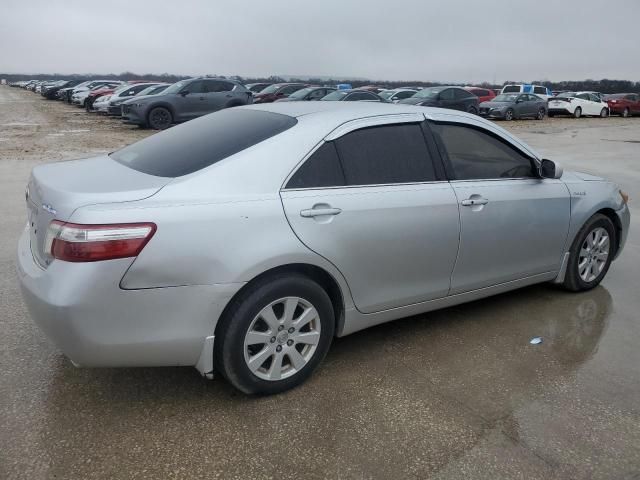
x=550, y=169
x=184, y=93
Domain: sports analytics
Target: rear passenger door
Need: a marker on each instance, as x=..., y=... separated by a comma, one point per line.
x=513, y=224
x=218, y=94
x=373, y=201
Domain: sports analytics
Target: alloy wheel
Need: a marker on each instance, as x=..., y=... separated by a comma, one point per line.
x=282, y=338
x=509, y=115
x=593, y=254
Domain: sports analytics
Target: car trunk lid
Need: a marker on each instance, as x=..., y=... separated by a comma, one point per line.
x=56, y=190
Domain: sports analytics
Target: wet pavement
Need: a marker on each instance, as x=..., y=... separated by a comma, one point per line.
x=458, y=393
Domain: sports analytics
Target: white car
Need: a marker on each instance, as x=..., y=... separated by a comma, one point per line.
x=578, y=104
x=101, y=105
x=539, y=90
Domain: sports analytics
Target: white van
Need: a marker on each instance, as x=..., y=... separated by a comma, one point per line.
x=538, y=90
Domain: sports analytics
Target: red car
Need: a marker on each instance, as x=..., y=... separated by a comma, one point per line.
x=483, y=94
x=276, y=92
x=98, y=92
x=625, y=104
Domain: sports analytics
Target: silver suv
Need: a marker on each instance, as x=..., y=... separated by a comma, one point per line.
x=184, y=100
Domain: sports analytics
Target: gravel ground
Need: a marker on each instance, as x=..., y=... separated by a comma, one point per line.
x=455, y=394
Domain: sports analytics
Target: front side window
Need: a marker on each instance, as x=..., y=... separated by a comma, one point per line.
x=385, y=154
x=475, y=154
x=448, y=94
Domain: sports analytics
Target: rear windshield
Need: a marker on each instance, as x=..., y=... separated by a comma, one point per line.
x=200, y=143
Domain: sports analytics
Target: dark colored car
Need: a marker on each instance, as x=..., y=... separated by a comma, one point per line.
x=308, y=94
x=455, y=98
x=625, y=104
x=276, y=92
x=257, y=87
x=51, y=92
x=514, y=105
x=183, y=101
x=483, y=94
x=355, y=95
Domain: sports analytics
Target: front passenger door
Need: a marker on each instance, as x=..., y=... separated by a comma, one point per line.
x=514, y=224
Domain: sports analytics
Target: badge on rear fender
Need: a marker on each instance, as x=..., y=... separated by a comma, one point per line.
x=48, y=208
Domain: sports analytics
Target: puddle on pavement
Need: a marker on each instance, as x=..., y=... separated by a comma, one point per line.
x=20, y=124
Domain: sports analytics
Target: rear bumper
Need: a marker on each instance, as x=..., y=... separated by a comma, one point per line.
x=82, y=309
x=559, y=111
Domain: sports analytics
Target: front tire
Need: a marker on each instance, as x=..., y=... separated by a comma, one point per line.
x=508, y=115
x=274, y=335
x=591, y=254
x=159, y=118
x=577, y=113
x=472, y=110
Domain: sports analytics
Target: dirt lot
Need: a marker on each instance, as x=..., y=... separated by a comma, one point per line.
x=458, y=393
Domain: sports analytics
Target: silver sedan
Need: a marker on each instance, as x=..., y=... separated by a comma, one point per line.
x=244, y=241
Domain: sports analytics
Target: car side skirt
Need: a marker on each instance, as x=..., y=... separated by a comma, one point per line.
x=355, y=321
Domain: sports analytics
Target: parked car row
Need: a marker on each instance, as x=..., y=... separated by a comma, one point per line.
x=159, y=105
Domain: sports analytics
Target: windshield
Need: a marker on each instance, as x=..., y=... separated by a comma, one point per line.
x=511, y=89
x=337, y=95
x=176, y=87
x=301, y=93
x=506, y=97
x=121, y=89
x=153, y=89
x=431, y=92
x=270, y=89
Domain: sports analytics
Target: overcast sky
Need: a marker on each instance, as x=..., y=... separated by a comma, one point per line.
x=447, y=40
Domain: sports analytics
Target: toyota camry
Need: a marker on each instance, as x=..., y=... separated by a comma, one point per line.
x=244, y=241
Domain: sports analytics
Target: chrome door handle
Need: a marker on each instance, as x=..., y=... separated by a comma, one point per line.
x=470, y=202
x=316, y=212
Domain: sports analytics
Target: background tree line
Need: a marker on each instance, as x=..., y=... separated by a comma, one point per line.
x=605, y=85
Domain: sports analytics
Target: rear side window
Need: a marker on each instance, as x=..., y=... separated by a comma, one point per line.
x=511, y=89
x=321, y=169
x=541, y=90
x=385, y=154
x=475, y=154
x=197, y=144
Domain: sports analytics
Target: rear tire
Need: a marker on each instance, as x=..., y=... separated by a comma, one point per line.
x=591, y=254
x=159, y=118
x=577, y=113
x=259, y=348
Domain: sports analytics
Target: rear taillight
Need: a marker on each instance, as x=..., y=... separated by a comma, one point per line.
x=73, y=242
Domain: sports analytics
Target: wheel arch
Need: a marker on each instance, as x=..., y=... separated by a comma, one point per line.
x=611, y=215
x=314, y=272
